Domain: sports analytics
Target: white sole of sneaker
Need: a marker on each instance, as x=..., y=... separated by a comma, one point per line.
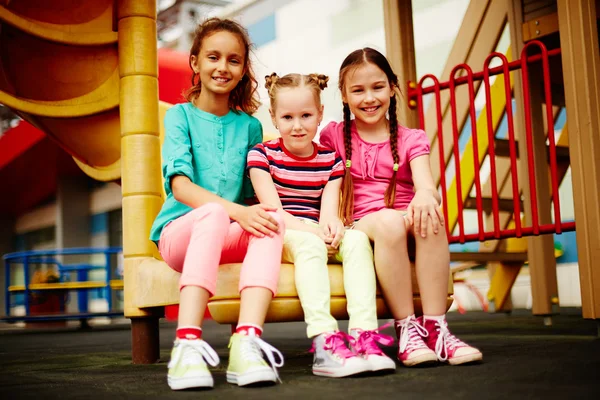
x=190, y=382
x=386, y=367
x=467, y=358
x=421, y=360
x=340, y=373
x=249, y=378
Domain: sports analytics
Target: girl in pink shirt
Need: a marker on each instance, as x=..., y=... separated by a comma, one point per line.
x=389, y=193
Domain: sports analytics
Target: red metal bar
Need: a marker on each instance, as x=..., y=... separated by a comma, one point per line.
x=509, y=233
x=550, y=124
x=440, y=137
x=476, y=164
x=477, y=76
x=529, y=141
x=455, y=135
x=492, y=133
x=418, y=91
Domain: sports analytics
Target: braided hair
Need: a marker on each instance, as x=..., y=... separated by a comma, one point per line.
x=347, y=200
x=352, y=61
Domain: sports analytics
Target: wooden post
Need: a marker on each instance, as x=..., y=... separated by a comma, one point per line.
x=540, y=249
x=140, y=158
x=400, y=49
x=581, y=74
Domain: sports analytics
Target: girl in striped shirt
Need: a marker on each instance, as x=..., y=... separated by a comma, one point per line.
x=303, y=180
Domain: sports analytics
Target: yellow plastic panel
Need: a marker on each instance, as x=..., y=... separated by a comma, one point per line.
x=145, y=43
x=82, y=23
x=139, y=157
x=141, y=8
x=94, y=140
x=52, y=71
x=139, y=105
x=138, y=215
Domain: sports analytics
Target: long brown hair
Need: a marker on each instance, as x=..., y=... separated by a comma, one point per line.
x=244, y=96
x=352, y=61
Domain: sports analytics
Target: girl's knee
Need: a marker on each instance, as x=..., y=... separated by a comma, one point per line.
x=354, y=239
x=279, y=219
x=391, y=226
x=308, y=243
x=213, y=211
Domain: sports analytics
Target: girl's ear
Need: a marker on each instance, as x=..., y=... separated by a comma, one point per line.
x=194, y=64
x=273, y=117
x=321, y=113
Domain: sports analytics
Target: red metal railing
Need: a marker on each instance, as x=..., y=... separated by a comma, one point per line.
x=415, y=95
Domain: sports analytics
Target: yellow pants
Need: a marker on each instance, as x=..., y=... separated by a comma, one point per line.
x=309, y=255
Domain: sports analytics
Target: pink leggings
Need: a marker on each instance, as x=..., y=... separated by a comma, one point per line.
x=197, y=242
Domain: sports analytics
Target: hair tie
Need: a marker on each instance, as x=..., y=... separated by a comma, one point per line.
x=395, y=166
x=348, y=163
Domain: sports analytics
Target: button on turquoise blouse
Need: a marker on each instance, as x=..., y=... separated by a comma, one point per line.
x=211, y=151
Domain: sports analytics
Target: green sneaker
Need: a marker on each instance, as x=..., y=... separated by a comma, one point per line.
x=187, y=368
x=246, y=362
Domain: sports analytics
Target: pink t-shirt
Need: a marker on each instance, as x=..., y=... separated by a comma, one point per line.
x=372, y=165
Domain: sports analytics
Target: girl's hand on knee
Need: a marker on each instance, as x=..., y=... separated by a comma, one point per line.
x=257, y=221
x=423, y=207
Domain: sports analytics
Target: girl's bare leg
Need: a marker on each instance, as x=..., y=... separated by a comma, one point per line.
x=387, y=230
x=254, y=303
x=433, y=270
x=192, y=305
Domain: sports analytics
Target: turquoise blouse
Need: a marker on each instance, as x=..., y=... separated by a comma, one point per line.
x=211, y=151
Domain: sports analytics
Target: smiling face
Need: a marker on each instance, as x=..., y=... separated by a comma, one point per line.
x=220, y=63
x=297, y=115
x=367, y=91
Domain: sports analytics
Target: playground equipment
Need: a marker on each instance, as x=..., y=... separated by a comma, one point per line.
x=99, y=101
x=59, y=263
x=98, y=98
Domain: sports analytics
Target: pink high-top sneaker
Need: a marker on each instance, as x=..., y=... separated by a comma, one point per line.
x=448, y=347
x=412, y=350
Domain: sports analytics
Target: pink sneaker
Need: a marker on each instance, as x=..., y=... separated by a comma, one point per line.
x=366, y=346
x=333, y=358
x=412, y=350
x=448, y=347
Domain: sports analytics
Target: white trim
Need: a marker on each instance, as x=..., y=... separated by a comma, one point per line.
x=104, y=199
x=42, y=217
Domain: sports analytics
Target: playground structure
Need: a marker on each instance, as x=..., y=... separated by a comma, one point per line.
x=60, y=265
x=98, y=98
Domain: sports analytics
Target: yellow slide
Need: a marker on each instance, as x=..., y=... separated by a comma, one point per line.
x=59, y=71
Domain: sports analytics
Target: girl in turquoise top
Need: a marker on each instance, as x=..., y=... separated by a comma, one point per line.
x=203, y=221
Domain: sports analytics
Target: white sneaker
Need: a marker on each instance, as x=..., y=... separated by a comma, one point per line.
x=334, y=359
x=246, y=363
x=366, y=346
x=187, y=368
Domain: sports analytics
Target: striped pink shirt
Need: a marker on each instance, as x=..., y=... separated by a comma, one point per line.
x=299, y=181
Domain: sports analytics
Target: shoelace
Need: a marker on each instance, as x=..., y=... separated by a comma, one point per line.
x=253, y=348
x=366, y=343
x=410, y=334
x=445, y=340
x=198, y=350
x=336, y=342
